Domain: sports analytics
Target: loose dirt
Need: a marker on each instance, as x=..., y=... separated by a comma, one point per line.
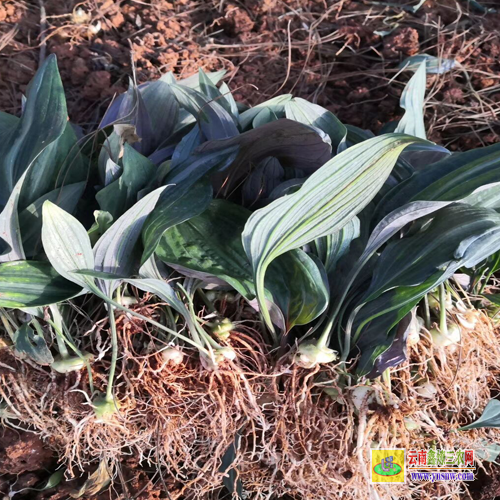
x=342, y=54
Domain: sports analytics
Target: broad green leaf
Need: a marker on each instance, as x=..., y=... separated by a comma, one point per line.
x=228, y=96
x=412, y=101
x=176, y=205
x=452, y=178
x=212, y=92
x=120, y=195
x=59, y=164
x=490, y=417
x=66, y=243
x=332, y=247
x=299, y=286
x=308, y=113
x=8, y=124
x=189, y=195
x=32, y=284
x=43, y=121
x=10, y=230
x=214, y=121
x=265, y=116
x=193, y=81
x=263, y=180
x=328, y=199
x=28, y=343
x=186, y=147
x=433, y=64
x=162, y=108
x=30, y=219
x=294, y=144
x=211, y=243
x=458, y=236
x=115, y=252
x=276, y=104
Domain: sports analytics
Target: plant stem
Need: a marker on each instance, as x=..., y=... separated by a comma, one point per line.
x=109, y=301
x=57, y=325
x=427, y=312
x=493, y=267
x=443, y=327
x=114, y=353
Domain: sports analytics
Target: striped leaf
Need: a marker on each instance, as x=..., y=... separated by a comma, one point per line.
x=328, y=199
x=412, y=101
x=32, y=284
x=66, y=244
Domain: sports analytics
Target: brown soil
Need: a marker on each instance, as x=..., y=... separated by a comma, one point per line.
x=333, y=52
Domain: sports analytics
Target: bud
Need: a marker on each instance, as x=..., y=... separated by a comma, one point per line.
x=172, y=356
x=310, y=355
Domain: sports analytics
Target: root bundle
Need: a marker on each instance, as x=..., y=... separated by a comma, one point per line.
x=274, y=425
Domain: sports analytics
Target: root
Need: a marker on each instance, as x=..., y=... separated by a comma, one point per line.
x=295, y=439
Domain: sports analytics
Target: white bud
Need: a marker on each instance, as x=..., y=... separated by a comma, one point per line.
x=172, y=356
x=310, y=355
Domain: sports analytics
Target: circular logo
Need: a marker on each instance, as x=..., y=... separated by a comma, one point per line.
x=396, y=469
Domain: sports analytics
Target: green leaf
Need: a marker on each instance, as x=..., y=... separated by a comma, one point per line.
x=211, y=243
x=163, y=109
x=487, y=451
x=30, y=219
x=493, y=298
x=28, y=343
x=193, y=81
x=120, y=195
x=178, y=204
x=8, y=124
x=434, y=65
x=115, y=251
x=10, y=231
x=32, y=284
x=412, y=100
x=332, y=247
x=458, y=236
x=490, y=417
x=328, y=199
x=452, y=178
x=294, y=144
x=276, y=105
x=212, y=92
x=58, y=165
x=214, y=121
x=308, y=113
x=299, y=286
x=228, y=96
x=43, y=121
x=103, y=221
x=66, y=243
